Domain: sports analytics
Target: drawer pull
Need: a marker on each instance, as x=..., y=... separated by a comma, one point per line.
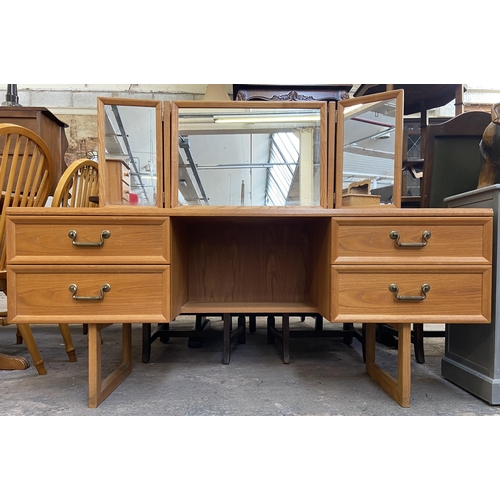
x=425, y=237
x=104, y=288
x=395, y=290
x=104, y=235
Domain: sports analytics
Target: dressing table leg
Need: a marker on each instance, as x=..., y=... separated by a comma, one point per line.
x=100, y=389
x=398, y=389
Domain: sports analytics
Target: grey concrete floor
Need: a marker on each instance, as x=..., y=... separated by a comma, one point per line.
x=325, y=377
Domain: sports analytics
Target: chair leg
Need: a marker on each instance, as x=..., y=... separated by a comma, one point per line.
x=68, y=342
x=146, y=342
x=29, y=340
x=285, y=320
x=418, y=343
x=13, y=362
x=19, y=337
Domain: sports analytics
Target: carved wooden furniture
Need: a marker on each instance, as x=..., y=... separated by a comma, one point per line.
x=205, y=239
x=47, y=126
x=260, y=92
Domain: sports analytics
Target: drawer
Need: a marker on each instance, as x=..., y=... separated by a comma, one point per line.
x=74, y=240
x=41, y=294
x=458, y=294
x=461, y=240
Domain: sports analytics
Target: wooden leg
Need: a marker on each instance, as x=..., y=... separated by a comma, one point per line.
x=68, y=342
x=29, y=340
x=271, y=323
x=100, y=389
x=418, y=342
x=13, y=362
x=398, y=389
x=252, y=323
x=242, y=337
x=146, y=342
x=286, y=338
x=226, y=358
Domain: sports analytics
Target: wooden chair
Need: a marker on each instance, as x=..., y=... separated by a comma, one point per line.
x=26, y=172
x=77, y=187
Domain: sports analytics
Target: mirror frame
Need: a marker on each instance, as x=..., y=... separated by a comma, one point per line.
x=322, y=106
x=101, y=128
x=398, y=95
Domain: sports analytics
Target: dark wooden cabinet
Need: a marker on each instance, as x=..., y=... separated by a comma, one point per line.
x=261, y=92
x=47, y=126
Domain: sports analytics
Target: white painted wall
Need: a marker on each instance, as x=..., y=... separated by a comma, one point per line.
x=81, y=98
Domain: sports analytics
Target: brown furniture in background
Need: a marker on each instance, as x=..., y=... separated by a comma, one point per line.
x=419, y=98
x=263, y=92
x=452, y=160
x=79, y=185
x=28, y=154
x=47, y=126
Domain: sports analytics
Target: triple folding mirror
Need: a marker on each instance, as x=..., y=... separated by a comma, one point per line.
x=251, y=154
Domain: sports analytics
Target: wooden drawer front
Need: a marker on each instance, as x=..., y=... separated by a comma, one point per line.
x=41, y=294
x=458, y=294
x=45, y=240
x=465, y=240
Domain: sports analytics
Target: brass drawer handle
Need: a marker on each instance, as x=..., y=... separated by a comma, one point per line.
x=395, y=290
x=425, y=237
x=104, y=235
x=104, y=288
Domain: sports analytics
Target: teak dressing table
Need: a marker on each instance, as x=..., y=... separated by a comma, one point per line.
x=247, y=208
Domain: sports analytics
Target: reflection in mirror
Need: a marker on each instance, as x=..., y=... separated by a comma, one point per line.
x=369, y=153
x=235, y=156
x=131, y=154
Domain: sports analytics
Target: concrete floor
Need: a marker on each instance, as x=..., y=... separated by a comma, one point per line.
x=325, y=377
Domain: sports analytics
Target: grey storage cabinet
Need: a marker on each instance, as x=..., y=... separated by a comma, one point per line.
x=472, y=352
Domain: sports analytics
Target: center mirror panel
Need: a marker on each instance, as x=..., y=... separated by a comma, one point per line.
x=130, y=152
x=369, y=151
x=233, y=154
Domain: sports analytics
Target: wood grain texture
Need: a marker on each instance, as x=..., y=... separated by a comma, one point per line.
x=458, y=294
x=252, y=262
x=42, y=240
x=398, y=388
x=138, y=294
x=463, y=240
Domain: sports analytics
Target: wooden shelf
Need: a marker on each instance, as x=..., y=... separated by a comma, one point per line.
x=194, y=307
